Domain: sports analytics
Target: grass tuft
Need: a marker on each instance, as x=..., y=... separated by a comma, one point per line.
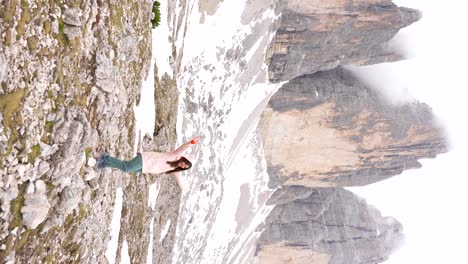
x=35, y=152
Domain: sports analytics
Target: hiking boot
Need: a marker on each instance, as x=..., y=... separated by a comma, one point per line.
x=101, y=162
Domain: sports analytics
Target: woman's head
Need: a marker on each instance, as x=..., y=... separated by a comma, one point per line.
x=179, y=165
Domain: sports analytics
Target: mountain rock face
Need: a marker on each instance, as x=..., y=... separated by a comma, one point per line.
x=330, y=225
x=320, y=35
x=329, y=129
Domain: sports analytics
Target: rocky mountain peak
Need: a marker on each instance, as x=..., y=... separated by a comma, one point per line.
x=314, y=36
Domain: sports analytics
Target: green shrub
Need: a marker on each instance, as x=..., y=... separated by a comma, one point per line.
x=157, y=15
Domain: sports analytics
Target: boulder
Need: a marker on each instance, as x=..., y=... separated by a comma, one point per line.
x=35, y=209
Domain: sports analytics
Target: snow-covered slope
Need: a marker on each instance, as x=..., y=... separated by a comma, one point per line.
x=223, y=86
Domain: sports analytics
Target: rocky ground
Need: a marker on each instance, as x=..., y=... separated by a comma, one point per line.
x=70, y=74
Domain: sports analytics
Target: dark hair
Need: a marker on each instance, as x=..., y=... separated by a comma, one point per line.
x=175, y=165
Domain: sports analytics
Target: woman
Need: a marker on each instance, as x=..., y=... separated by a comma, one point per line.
x=172, y=162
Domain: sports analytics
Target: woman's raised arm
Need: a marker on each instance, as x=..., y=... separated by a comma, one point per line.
x=180, y=150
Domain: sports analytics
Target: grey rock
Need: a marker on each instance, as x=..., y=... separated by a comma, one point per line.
x=69, y=199
x=11, y=159
x=128, y=44
x=76, y=135
x=72, y=17
x=86, y=194
x=90, y=174
x=41, y=168
x=94, y=184
x=62, y=182
x=51, y=117
x=35, y=209
x=3, y=69
x=105, y=73
x=21, y=169
x=10, y=181
x=48, y=150
x=52, y=221
x=40, y=186
x=72, y=32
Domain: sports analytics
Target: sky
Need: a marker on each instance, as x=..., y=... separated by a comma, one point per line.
x=430, y=202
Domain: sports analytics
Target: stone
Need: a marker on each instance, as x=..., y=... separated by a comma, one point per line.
x=41, y=168
x=72, y=32
x=105, y=73
x=35, y=209
x=94, y=184
x=63, y=182
x=21, y=169
x=48, y=150
x=69, y=199
x=10, y=180
x=30, y=188
x=129, y=53
x=90, y=174
x=72, y=17
x=91, y=162
x=10, y=259
x=3, y=68
x=52, y=221
x=87, y=194
x=40, y=186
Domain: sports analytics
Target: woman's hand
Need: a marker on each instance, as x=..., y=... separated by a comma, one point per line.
x=195, y=140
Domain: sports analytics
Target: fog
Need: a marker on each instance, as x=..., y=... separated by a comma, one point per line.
x=430, y=202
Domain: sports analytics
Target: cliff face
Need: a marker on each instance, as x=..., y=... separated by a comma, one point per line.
x=328, y=129
x=324, y=128
x=320, y=35
x=328, y=225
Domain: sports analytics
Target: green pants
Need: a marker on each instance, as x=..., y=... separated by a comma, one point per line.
x=133, y=165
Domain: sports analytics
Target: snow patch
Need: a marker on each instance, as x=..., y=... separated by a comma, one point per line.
x=145, y=114
x=125, y=257
x=111, y=251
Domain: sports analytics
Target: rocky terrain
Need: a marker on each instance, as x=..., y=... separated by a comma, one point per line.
x=70, y=75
